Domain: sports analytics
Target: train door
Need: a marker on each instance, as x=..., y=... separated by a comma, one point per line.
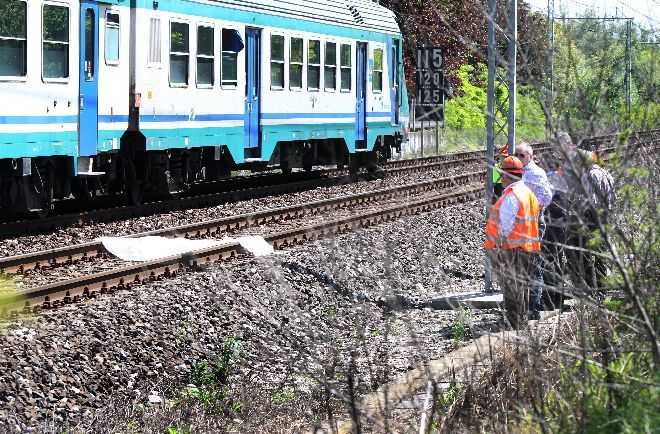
x=252, y=93
x=89, y=90
x=394, y=81
x=361, y=97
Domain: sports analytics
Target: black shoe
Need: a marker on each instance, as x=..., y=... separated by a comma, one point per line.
x=534, y=315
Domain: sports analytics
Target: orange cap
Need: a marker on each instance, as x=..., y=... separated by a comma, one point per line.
x=512, y=165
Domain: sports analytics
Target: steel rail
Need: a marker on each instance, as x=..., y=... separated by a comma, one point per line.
x=68, y=291
x=68, y=254
x=257, y=186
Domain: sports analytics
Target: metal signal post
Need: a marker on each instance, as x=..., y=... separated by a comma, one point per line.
x=501, y=113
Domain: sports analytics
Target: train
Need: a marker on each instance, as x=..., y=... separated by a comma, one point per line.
x=135, y=97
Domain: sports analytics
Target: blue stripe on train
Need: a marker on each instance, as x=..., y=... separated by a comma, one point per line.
x=38, y=119
x=33, y=120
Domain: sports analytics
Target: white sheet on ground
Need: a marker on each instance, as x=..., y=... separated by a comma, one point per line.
x=255, y=244
x=151, y=248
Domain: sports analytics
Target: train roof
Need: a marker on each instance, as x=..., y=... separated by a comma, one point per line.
x=361, y=14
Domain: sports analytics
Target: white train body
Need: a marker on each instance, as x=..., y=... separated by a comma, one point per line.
x=144, y=91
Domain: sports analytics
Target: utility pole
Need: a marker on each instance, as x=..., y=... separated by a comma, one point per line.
x=495, y=126
x=512, y=58
x=551, y=85
x=628, y=75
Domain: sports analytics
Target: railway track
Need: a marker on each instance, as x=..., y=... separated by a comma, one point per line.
x=66, y=255
x=261, y=185
x=234, y=189
x=71, y=290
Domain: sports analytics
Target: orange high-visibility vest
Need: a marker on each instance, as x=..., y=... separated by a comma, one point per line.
x=525, y=233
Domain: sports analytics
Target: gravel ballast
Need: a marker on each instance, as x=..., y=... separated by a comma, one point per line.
x=294, y=313
x=90, y=231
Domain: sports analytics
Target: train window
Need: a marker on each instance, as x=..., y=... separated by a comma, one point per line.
x=154, y=41
x=378, y=70
x=90, y=48
x=330, y=68
x=112, y=38
x=205, y=56
x=314, y=65
x=231, y=45
x=55, y=42
x=13, y=38
x=276, y=62
x=179, y=53
x=346, y=65
x=296, y=64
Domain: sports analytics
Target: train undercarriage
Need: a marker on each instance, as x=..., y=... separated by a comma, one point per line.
x=31, y=185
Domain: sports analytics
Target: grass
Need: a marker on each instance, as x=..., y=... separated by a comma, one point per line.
x=454, y=140
x=283, y=396
x=460, y=330
x=210, y=380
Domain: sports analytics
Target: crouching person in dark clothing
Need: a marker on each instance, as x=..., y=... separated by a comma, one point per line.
x=591, y=201
x=554, y=241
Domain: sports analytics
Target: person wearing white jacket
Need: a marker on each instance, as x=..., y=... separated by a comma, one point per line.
x=536, y=179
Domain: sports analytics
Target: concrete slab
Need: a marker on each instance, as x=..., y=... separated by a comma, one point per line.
x=476, y=300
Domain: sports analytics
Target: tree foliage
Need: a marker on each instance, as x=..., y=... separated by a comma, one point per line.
x=461, y=29
x=467, y=111
x=590, y=76
x=12, y=23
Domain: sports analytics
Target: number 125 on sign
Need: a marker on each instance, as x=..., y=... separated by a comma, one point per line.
x=429, y=96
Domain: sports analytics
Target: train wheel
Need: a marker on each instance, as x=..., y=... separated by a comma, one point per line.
x=353, y=166
x=83, y=189
x=133, y=185
x=41, y=190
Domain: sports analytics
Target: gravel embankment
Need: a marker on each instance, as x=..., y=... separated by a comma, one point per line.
x=295, y=313
x=87, y=232
x=65, y=271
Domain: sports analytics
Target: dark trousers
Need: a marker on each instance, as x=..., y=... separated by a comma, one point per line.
x=537, y=287
x=514, y=270
x=553, y=264
x=587, y=270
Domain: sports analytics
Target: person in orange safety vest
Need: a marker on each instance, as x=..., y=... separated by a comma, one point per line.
x=513, y=240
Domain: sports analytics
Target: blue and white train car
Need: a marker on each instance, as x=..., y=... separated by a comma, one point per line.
x=152, y=95
x=64, y=97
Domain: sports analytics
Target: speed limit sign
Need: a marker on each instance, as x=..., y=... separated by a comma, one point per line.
x=430, y=96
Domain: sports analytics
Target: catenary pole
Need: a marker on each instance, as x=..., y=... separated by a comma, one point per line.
x=490, y=127
x=505, y=109
x=628, y=68
x=513, y=39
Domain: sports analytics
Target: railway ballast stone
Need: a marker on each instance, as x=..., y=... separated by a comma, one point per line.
x=294, y=313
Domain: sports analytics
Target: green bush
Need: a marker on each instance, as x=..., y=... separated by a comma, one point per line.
x=465, y=114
